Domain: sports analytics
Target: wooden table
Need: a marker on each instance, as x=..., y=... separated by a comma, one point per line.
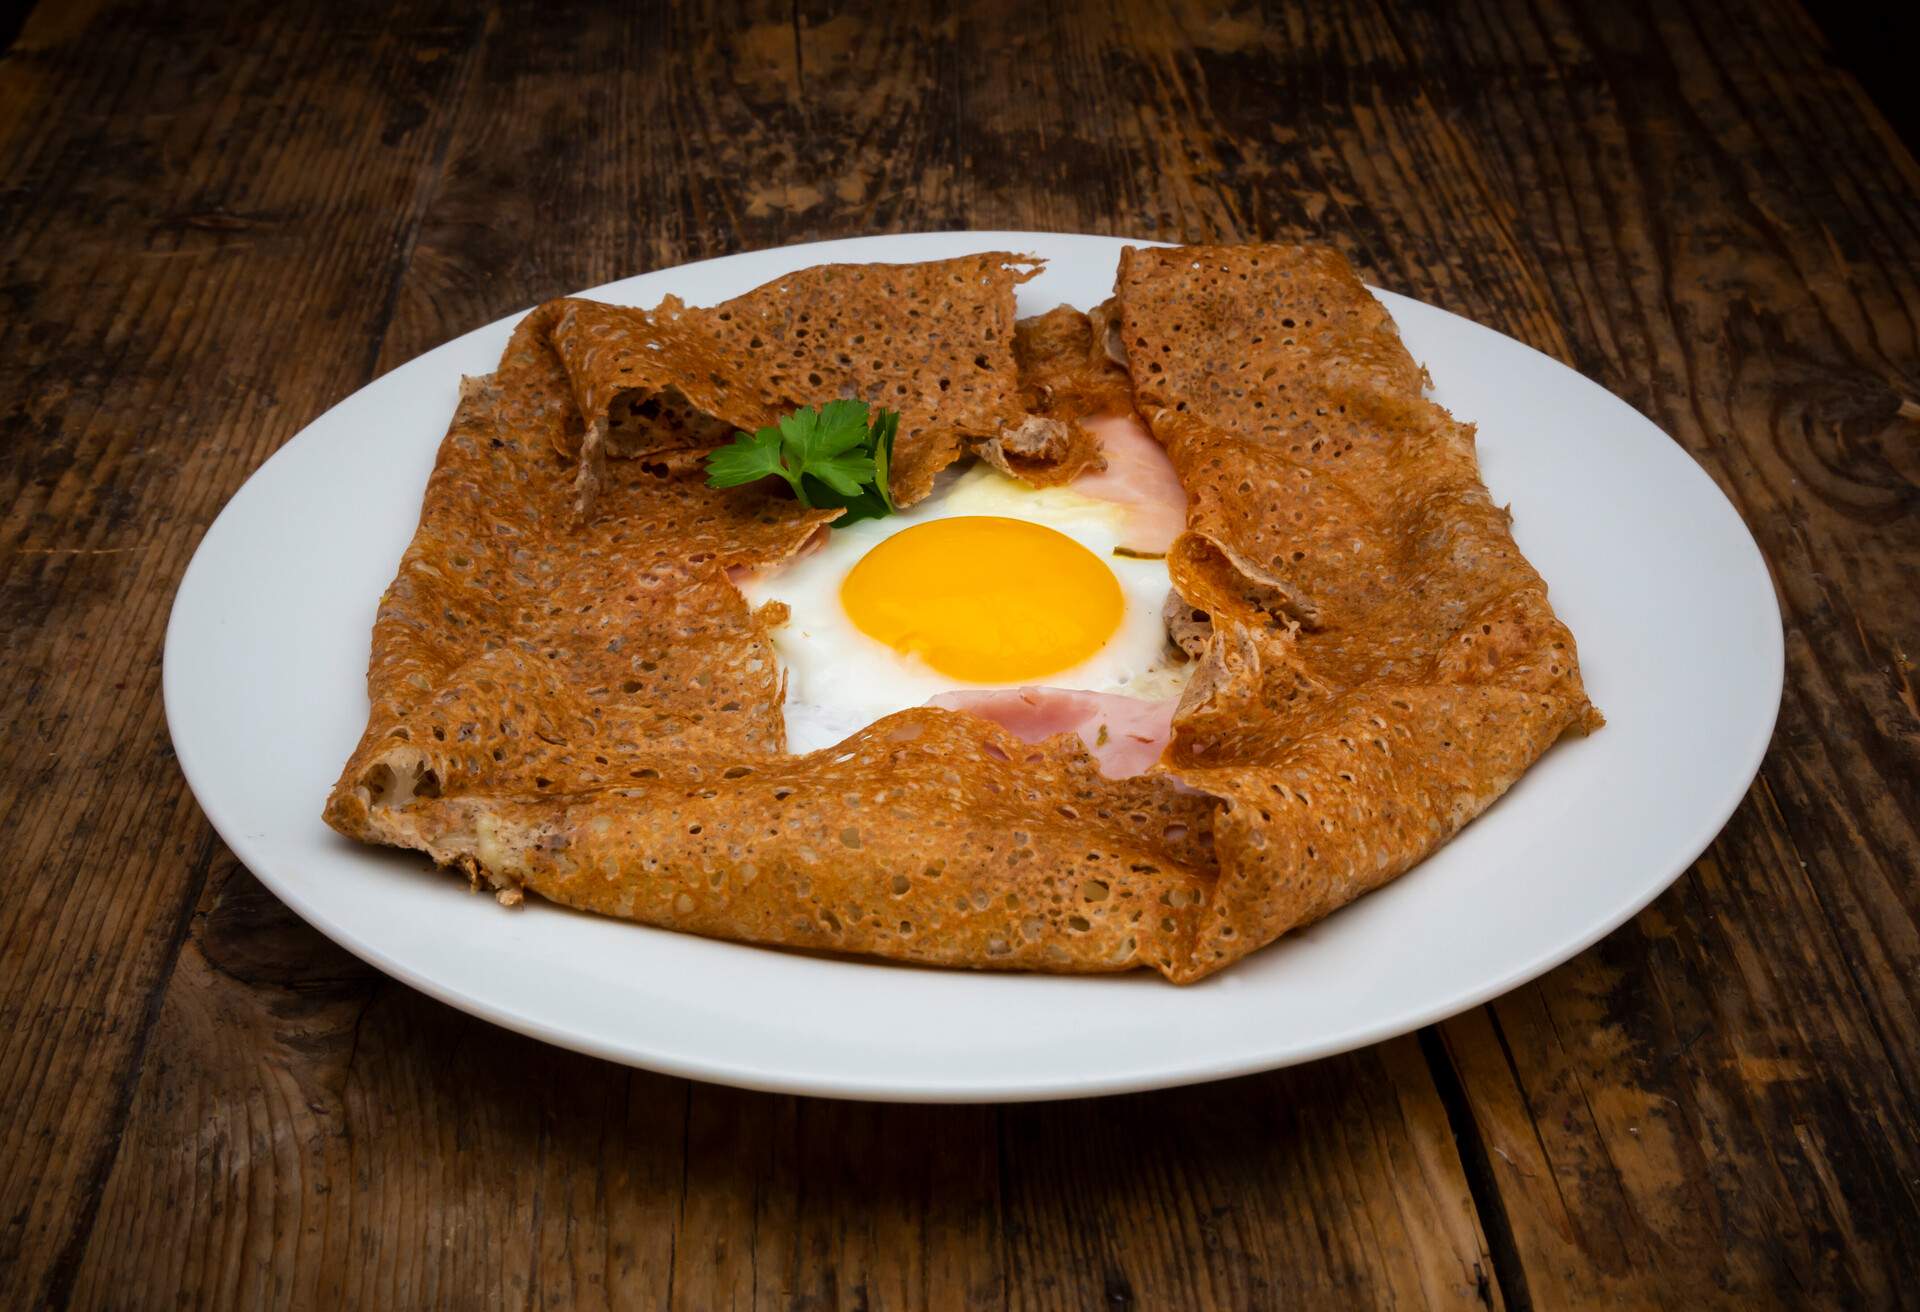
x=220, y=219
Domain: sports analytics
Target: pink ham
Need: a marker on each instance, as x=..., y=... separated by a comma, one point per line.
x=1140, y=477
x=1125, y=734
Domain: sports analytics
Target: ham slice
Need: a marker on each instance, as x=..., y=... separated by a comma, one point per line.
x=1125, y=734
x=1140, y=477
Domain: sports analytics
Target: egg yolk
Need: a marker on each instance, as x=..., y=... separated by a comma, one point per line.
x=985, y=599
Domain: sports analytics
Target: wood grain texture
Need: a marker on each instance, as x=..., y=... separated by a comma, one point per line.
x=221, y=218
x=175, y=230
x=307, y=1134
x=1726, y=1089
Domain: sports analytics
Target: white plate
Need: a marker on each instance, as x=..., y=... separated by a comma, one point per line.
x=1679, y=638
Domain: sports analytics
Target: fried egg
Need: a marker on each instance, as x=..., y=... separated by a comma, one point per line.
x=987, y=583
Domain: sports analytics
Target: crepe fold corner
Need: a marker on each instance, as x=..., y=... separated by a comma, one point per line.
x=1383, y=661
x=587, y=707
x=933, y=341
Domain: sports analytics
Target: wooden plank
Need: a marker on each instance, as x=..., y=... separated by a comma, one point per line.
x=1335, y=1182
x=600, y=144
x=176, y=231
x=457, y=1179
x=324, y=1138
x=819, y=1203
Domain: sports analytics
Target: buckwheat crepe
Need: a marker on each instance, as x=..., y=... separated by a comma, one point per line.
x=570, y=695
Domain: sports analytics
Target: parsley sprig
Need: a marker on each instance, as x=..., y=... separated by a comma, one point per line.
x=836, y=455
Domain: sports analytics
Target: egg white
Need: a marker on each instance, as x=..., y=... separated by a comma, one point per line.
x=839, y=679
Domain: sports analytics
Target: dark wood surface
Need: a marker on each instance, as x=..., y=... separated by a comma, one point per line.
x=220, y=219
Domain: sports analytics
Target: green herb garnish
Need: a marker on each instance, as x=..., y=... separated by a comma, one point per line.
x=833, y=456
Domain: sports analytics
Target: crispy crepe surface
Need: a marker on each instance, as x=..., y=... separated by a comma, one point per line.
x=933, y=341
x=588, y=708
